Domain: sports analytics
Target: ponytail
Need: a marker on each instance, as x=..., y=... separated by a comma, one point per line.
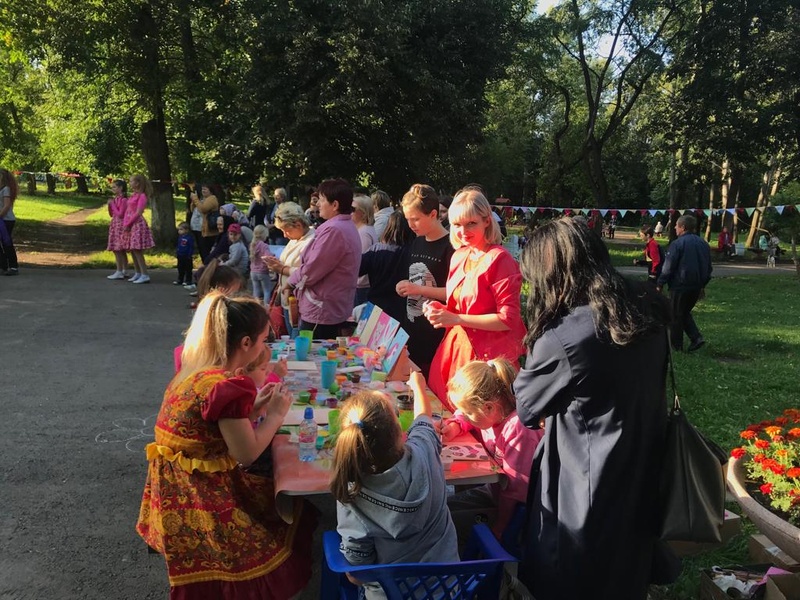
x=368, y=426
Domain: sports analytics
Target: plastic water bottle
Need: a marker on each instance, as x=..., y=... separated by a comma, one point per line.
x=308, y=436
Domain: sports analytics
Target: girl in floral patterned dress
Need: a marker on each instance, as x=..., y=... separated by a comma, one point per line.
x=116, y=235
x=216, y=524
x=138, y=233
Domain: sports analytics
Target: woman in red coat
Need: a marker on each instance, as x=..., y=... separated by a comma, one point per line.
x=482, y=315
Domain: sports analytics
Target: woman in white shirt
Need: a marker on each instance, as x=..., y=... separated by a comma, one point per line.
x=293, y=222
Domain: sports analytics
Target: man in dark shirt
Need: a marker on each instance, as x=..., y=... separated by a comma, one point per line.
x=687, y=270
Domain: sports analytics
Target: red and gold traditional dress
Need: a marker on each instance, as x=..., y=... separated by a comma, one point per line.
x=215, y=524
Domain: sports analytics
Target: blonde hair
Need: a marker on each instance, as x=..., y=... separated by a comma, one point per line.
x=259, y=235
x=264, y=357
x=369, y=442
x=366, y=206
x=472, y=203
x=479, y=382
x=291, y=213
x=218, y=326
x=258, y=194
x=144, y=185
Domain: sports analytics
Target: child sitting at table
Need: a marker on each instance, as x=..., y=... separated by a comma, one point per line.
x=391, y=498
x=483, y=394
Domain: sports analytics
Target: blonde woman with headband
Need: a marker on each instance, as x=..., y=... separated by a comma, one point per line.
x=215, y=523
x=482, y=313
x=391, y=497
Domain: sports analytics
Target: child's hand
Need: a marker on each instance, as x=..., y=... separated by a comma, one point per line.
x=416, y=381
x=280, y=368
x=450, y=430
x=405, y=288
x=422, y=404
x=262, y=398
x=438, y=315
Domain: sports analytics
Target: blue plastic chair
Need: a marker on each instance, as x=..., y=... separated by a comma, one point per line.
x=478, y=576
x=512, y=536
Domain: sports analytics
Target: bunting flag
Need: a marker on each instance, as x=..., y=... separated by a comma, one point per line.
x=603, y=212
x=707, y=212
x=749, y=211
x=653, y=212
x=780, y=209
x=623, y=212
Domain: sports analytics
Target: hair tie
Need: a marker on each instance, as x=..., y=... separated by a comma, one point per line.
x=354, y=419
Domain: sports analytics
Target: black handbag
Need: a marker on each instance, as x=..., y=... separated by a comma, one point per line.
x=692, y=487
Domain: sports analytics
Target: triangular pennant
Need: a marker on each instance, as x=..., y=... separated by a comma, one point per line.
x=780, y=208
x=623, y=212
x=707, y=212
x=653, y=212
x=749, y=211
x=730, y=210
x=540, y=209
x=643, y=211
x=603, y=212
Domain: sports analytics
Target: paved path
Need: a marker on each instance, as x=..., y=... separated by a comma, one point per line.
x=728, y=269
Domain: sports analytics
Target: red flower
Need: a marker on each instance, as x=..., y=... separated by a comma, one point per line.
x=794, y=473
x=759, y=458
x=762, y=444
x=781, y=420
x=766, y=489
x=738, y=453
x=747, y=434
x=794, y=433
x=778, y=439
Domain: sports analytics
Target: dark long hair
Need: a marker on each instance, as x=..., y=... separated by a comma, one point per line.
x=397, y=231
x=567, y=266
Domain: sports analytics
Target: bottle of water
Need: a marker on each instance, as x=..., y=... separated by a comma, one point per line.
x=308, y=436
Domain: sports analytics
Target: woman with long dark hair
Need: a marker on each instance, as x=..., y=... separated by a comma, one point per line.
x=595, y=374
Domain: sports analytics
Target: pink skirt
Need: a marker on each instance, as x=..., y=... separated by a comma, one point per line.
x=140, y=237
x=117, y=238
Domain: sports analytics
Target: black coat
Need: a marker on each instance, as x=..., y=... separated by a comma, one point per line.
x=593, y=507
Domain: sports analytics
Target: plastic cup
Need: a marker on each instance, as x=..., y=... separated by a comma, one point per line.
x=342, y=341
x=306, y=333
x=406, y=418
x=333, y=421
x=304, y=397
x=301, y=347
x=331, y=354
x=327, y=371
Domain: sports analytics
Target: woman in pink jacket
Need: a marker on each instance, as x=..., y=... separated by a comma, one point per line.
x=482, y=315
x=325, y=283
x=138, y=233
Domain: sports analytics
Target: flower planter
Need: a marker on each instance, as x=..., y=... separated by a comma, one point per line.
x=782, y=533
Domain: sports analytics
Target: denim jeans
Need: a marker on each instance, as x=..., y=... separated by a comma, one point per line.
x=262, y=286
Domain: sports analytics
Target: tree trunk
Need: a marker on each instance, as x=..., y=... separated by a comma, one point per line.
x=80, y=185
x=596, y=176
x=156, y=156
x=711, y=190
x=31, y=184
x=735, y=186
x=769, y=187
x=673, y=198
x=51, y=184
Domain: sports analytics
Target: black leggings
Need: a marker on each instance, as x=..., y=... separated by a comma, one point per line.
x=8, y=260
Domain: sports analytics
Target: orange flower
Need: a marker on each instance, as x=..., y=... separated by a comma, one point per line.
x=773, y=430
x=762, y=444
x=747, y=434
x=794, y=473
x=794, y=433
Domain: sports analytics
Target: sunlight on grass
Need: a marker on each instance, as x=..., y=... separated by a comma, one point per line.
x=47, y=208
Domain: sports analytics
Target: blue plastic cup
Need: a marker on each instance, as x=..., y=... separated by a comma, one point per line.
x=327, y=371
x=301, y=347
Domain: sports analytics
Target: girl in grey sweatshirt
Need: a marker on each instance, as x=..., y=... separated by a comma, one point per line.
x=391, y=499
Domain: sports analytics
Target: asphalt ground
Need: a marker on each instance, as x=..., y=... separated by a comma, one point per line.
x=85, y=362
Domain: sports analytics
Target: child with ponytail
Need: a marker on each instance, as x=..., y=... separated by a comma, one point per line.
x=391, y=498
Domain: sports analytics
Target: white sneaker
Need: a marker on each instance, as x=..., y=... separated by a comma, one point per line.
x=143, y=279
x=191, y=287
x=116, y=275
x=135, y=278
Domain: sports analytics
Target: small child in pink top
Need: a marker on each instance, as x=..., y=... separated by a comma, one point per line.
x=117, y=240
x=483, y=394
